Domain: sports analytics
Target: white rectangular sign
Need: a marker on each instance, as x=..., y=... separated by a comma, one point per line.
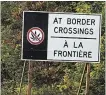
x=72, y=37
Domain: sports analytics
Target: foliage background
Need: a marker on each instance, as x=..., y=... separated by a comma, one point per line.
x=48, y=78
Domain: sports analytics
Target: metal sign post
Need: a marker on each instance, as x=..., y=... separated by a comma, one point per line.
x=82, y=76
x=29, y=78
x=22, y=78
x=87, y=79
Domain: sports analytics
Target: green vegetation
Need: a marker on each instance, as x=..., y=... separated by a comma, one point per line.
x=48, y=78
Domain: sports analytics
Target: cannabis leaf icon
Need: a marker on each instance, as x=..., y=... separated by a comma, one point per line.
x=35, y=36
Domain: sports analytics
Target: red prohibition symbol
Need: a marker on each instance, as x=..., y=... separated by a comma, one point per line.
x=35, y=36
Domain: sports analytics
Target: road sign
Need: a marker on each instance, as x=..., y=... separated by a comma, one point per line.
x=58, y=36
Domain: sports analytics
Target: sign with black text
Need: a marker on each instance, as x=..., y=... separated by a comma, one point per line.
x=58, y=36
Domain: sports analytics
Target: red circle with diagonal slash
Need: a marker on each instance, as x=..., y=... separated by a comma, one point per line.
x=39, y=40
